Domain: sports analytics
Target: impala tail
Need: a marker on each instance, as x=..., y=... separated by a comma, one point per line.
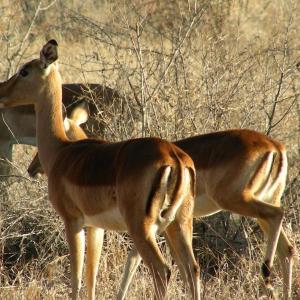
x=273, y=170
x=280, y=167
x=169, y=190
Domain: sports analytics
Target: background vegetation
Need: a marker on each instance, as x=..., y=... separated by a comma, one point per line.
x=183, y=68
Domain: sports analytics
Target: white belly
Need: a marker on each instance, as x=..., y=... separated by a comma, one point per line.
x=111, y=219
x=204, y=206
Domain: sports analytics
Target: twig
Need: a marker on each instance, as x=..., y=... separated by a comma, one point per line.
x=271, y=115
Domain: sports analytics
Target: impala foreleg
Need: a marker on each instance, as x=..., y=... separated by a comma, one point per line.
x=133, y=261
x=93, y=252
x=76, y=241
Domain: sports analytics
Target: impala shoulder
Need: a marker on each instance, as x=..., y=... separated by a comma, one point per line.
x=87, y=163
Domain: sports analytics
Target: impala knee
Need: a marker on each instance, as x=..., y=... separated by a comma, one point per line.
x=274, y=216
x=277, y=214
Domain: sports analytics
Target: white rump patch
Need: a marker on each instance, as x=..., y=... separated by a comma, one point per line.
x=171, y=212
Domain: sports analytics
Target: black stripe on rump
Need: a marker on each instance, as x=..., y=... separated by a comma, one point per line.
x=154, y=189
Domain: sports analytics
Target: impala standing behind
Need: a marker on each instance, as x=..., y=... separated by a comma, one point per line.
x=17, y=124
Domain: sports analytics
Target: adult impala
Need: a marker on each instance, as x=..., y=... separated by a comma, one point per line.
x=144, y=186
x=244, y=172
x=17, y=124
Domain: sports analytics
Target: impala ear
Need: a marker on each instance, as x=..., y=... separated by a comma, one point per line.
x=49, y=54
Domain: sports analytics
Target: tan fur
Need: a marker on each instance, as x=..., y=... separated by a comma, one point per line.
x=74, y=132
x=89, y=180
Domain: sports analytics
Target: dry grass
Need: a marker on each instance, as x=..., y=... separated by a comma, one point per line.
x=183, y=69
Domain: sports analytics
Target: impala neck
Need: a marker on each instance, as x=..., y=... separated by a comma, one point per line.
x=49, y=122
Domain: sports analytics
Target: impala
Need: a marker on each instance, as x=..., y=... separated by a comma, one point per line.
x=17, y=124
x=244, y=172
x=144, y=186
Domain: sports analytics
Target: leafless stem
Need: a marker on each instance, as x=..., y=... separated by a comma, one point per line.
x=174, y=55
x=274, y=105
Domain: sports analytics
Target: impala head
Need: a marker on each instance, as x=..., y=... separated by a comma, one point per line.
x=32, y=79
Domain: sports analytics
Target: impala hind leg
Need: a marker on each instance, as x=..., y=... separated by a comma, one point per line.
x=147, y=246
x=75, y=237
x=93, y=252
x=179, y=239
x=286, y=253
x=132, y=263
x=272, y=216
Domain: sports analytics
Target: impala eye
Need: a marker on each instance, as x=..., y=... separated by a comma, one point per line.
x=23, y=73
